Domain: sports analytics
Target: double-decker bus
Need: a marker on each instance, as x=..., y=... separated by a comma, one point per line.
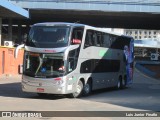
x=74, y=59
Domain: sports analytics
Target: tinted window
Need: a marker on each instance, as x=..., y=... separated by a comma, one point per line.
x=72, y=60
x=88, y=39
x=94, y=38
x=86, y=67
x=48, y=36
x=43, y=65
x=119, y=42
x=77, y=33
x=99, y=39
x=98, y=66
x=106, y=40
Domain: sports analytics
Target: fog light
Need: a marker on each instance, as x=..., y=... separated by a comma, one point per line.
x=60, y=89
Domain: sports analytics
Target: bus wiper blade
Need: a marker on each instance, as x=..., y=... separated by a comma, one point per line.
x=40, y=76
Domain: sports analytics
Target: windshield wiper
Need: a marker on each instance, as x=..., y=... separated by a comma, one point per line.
x=40, y=76
x=40, y=64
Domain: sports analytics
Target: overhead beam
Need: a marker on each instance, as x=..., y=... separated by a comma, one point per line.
x=13, y=9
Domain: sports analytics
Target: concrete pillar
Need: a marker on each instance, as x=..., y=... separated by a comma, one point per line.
x=28, y=28
x=0, y=31
x=19, y=41
x=10, y=30
x=28, y=25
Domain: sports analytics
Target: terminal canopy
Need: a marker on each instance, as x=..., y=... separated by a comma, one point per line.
x=9, y=10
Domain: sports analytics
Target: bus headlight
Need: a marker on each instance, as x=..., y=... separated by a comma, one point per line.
x=58, y=82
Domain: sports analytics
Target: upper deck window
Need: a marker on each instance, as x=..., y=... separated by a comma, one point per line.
x=48, y=36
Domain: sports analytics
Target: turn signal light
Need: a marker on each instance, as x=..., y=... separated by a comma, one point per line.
x=57, y=79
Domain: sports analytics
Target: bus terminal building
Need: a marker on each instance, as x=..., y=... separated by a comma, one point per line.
x=8, y=65
x=16, y=17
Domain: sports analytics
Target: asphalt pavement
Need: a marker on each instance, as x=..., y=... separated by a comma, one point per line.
x=143, y=95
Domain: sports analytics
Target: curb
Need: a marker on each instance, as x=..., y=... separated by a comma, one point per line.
x=144, y=70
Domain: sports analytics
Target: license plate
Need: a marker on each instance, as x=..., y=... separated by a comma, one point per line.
x=40, y=89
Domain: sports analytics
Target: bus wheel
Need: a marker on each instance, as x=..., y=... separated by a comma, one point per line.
x=119, y=83
x=87, y=88
x=123, y=85
x=78, y=91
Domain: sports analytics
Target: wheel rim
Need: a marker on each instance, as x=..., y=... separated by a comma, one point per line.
x=79, y=89
x=123, y=82
x=119, y=84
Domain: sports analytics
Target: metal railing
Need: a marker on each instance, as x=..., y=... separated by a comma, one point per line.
x=123, y=2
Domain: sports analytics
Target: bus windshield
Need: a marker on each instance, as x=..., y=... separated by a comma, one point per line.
x=43, y=65
x=48, y=36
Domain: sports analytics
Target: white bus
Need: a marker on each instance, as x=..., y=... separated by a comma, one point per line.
x=74, y=59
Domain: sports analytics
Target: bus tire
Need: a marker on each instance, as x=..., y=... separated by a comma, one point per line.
x=79, y=88
x=123, y=84
x=119, y=83
x=42, y=94
x=87, y=88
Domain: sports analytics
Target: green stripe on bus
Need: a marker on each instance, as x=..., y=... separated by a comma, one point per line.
x=74, y=78
x=102, y=53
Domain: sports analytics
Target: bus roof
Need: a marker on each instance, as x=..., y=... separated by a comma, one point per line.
x=79, y=25
x=58, y=23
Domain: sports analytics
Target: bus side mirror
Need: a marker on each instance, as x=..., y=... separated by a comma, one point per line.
x=76, y=41
x=17, y=49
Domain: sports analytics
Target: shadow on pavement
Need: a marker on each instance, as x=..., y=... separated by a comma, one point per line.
x=138, y=96
x=143, y=94
x=14, y=90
